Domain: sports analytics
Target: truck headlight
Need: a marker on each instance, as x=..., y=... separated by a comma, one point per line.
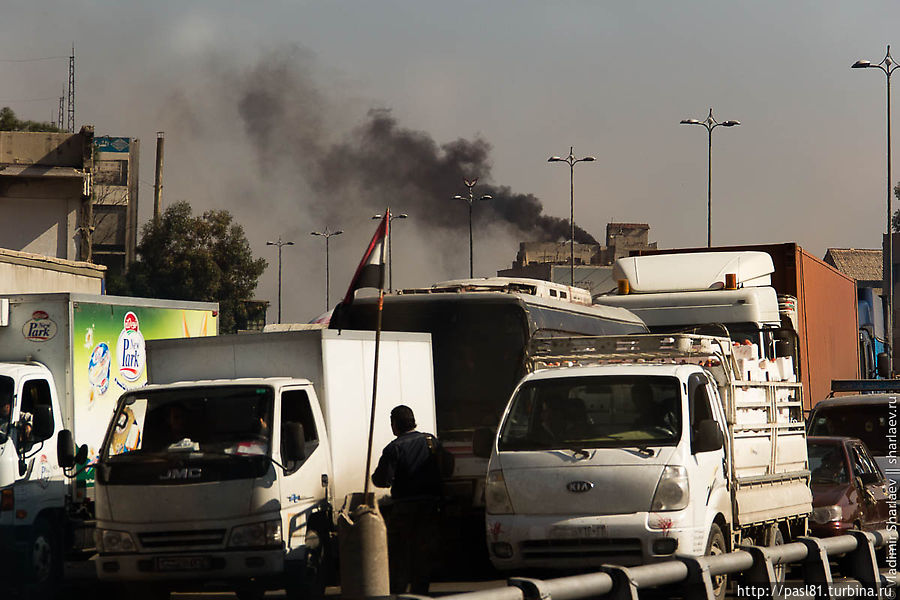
x=256, y=535
x=672, y=491
x=826, y=514
x=496, y=496
x=114, y=542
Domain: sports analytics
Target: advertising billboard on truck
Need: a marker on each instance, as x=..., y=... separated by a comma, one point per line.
x=109, y=355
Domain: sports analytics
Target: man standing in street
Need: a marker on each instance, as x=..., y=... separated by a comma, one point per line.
x=411, y=466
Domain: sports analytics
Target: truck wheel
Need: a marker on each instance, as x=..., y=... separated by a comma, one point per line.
x=43, y=560
x=715, y=546
x=776, y=538
x=306, y=580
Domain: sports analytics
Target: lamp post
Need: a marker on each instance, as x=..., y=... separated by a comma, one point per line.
x=279, y=243
x=470, y=199
x=571, y=160
x=390, y=250
x=710, y=123
x=887, y=66
x=327, y=235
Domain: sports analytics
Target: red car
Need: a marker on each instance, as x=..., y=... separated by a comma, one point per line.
x=848, y=488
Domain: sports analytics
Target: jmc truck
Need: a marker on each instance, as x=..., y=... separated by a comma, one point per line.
x=242, y=452
x=64, y=360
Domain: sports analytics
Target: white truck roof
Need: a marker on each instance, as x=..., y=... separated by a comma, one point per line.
x=693, y=271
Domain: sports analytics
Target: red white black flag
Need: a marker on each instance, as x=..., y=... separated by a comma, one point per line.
x=370, y=272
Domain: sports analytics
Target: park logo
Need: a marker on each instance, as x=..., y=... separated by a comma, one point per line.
x=39, y=328
x=131, y=350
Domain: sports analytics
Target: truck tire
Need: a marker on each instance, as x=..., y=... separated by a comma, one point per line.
x=776, y=538
x=714, y=546
x=306, y=580
x=43, y=561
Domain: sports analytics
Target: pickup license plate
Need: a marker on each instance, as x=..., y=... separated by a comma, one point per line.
x=183, y=563
x=568, y=532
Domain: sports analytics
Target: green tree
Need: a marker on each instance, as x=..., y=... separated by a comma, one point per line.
x=203, y=258
x=10, y=122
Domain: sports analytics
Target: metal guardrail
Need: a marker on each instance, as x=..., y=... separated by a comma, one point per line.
x=692, y=577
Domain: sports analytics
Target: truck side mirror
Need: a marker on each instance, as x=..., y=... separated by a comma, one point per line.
x=65, y=449
x=869, y=478
x=882, y=362
x=707, y=437
x=42, y=423
x=293, y=446
x=483, y=442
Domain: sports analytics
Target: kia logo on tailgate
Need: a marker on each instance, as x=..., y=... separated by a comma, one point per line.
x=579, y=486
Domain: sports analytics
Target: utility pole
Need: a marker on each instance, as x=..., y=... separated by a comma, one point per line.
x=71, y=115
x=157, y=186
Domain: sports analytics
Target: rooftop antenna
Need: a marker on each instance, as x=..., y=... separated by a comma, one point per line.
x=71, y=113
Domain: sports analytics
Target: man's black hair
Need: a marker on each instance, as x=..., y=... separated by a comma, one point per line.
x=404, y=418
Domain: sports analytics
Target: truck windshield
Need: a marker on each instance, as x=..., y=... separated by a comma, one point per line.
x=868, y=422
x=235, y=420
x=595, y=411
x=7, y=387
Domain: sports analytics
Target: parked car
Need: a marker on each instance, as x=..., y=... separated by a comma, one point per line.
x=863, y=416
x=849, y=489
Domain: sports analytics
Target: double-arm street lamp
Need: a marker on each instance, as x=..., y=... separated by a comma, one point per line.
x=887, y=66
x=571, y=160
x=470, y=199
x=279, y=243
x=327, y=235
x=390, y=250
x=710, y=123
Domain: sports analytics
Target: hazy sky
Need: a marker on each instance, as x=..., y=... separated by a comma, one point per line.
x=295, y=115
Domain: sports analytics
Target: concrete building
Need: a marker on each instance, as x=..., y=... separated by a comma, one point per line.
x=115, y=201
x=593, y=271
x=26, y=273
x=70, y=196
x=45, y=190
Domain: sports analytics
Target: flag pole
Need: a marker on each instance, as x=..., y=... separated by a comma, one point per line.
x=387, y=218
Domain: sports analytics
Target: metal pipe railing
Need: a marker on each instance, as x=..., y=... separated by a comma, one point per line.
x=753, y=566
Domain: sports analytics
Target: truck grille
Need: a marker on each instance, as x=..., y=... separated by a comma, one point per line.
x=185, y=539
x=582, y=548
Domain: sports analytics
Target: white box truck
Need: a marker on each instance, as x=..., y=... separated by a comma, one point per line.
x=240, y=453
x=636, y=448
x=64, y=360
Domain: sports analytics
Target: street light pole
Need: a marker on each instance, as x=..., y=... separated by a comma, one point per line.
x=327, y=235
x=390, y=249
x=470, y=200
x=571, y=160
x=710, y=123
x=887, y=66
x=279, y=243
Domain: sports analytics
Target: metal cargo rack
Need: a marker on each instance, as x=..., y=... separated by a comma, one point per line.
x=550, y=352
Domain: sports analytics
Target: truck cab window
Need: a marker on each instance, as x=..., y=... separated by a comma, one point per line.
x=7, y=387
x=35, y=398
x=700, y=409
x=295, y=408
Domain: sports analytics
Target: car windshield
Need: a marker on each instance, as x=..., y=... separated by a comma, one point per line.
x=827, y=464
x=594, y=411
x=232, y=420
x=868, y=422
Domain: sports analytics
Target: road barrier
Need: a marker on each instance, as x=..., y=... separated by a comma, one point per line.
x=692, y=577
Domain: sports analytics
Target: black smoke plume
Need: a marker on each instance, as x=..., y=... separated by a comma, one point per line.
x=378, y=163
